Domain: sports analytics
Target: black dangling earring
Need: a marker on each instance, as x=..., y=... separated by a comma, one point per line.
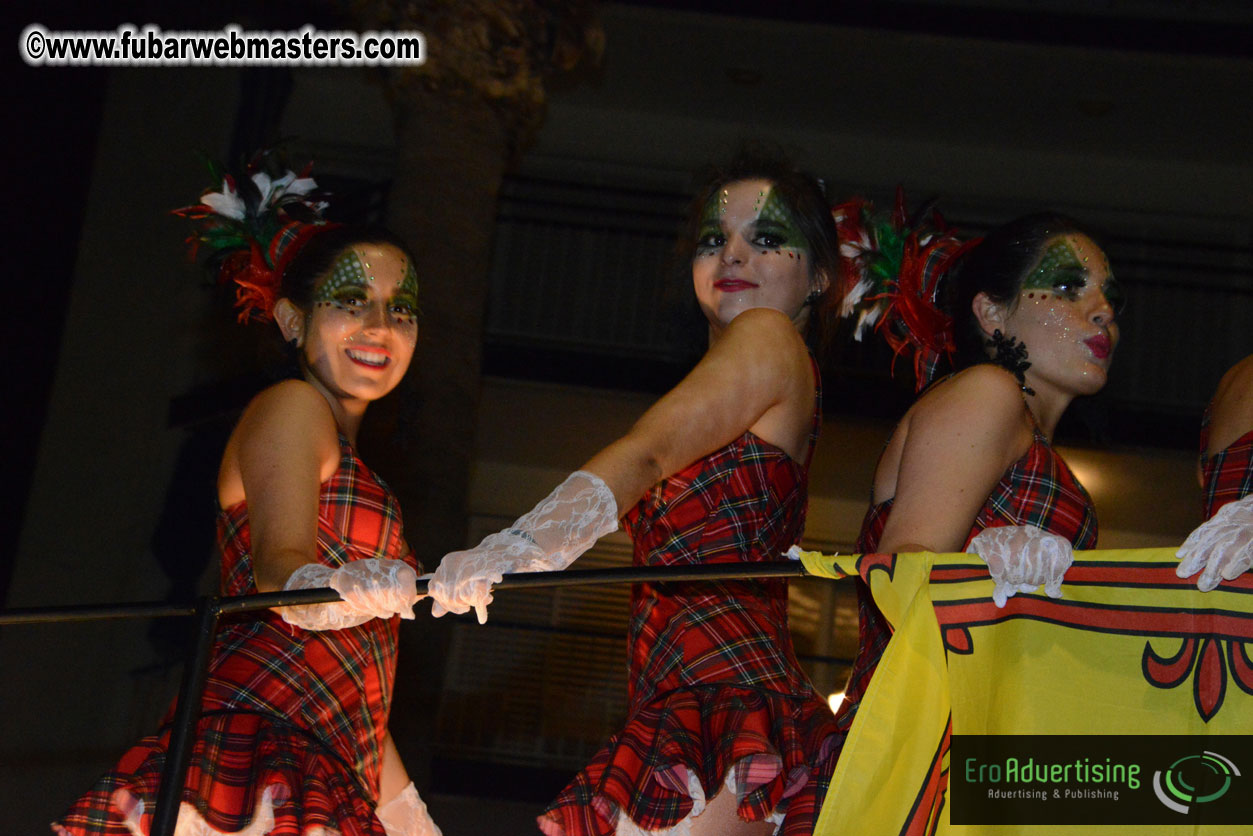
x=813, y=296
x=291, y=356
x=1011, y=355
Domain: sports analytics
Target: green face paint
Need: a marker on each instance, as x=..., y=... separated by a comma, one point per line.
x=1064, y=272
x=773, y=226
x=347, y=280
x=1060, y=271
x=348, y=286
x=776, y=227
x=709, y=235
x=405, y=301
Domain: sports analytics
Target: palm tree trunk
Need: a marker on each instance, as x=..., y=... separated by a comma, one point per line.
x=459, y=120
x=451, y=158
x=451, y=154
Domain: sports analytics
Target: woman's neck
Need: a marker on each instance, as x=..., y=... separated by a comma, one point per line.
x=348, y=412
x=1046, y=408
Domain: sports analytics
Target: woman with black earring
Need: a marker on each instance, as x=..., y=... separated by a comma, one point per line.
x=1026, y=318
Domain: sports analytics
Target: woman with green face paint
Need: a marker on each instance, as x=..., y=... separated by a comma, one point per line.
x=724, y=733
x=1025, y=320
x=293, y=729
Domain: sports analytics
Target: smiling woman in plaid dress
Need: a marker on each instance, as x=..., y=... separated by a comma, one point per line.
x=293, y=734
x=724, y=732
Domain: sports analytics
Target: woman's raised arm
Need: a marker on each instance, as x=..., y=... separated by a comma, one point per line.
x=753, y=371
x=757, y=366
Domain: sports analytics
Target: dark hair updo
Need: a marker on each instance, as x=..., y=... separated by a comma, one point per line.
x=998, y=266
x=803, y=196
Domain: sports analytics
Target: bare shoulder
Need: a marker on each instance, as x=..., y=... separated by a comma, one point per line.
x=1232, y=410
x=289, y=421
x=948, y=453
x=983, y=393
x=291, y=405
x=1237, y=383
x=764, y=339
x=978, y=414
x=772, y=369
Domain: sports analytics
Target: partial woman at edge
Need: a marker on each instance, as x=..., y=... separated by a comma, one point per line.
x=1221, y=548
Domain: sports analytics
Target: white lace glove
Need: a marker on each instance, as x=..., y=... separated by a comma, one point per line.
x=1021, y=558
x=375, y=587
x=406, y=815
x=1222, y=546
x=547, y=538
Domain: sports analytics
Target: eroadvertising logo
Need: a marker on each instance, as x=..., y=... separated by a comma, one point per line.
x=1099, y=779
x=1179, y=786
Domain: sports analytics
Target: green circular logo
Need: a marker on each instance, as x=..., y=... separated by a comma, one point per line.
x=1194, y=779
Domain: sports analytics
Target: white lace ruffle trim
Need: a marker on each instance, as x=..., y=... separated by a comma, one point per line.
x=627, y=827
x=190, y=822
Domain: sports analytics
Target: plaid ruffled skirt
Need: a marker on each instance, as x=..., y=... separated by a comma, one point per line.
x=773, y=750
x=249, y=773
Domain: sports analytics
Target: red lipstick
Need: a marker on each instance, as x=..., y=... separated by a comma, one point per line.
x=733, y=285
x=1100, y=346
x=372, y=357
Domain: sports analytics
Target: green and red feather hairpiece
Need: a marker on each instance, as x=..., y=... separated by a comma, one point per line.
x=890, y=270
x=248, y=225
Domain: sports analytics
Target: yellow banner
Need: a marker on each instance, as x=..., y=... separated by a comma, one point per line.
x=1128, y=649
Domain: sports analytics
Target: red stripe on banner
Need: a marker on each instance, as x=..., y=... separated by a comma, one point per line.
x=957, y=572
x=1148, y=621
x=1133, y=575
x=924, y=818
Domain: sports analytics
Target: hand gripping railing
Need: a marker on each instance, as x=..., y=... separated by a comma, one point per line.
x=210, y=608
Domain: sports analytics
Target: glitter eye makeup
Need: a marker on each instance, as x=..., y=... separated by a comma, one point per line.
x=775, y=228
x=347, y=280
x=1060, y=271
x=1066, y=272
x=404, y=304
x=350, y=286
x=709, y=235
x=409, y=284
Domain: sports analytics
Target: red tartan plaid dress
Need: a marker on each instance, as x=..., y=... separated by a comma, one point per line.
x=293, y=720
x=1228, y=474
x=715, y=690
x=1039, y=489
